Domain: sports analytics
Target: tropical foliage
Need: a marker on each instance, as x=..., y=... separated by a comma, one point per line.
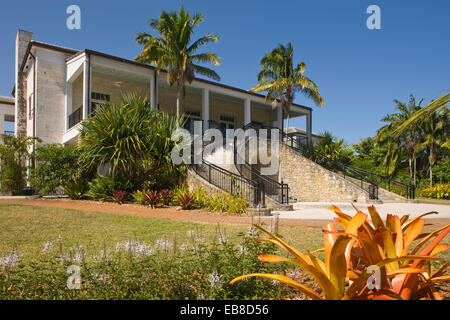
x=397, y=247
x=438, y=191
x=418, y=155
x=133, y=141
x=282, y=80
x=56, y=165
x=14, y=156
x=175, y=51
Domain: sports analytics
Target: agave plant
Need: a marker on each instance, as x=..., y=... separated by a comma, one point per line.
x=405, y=273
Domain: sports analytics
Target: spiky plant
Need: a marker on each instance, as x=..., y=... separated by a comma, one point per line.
x=405, y=269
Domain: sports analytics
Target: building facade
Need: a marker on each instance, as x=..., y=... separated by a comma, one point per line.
x=57, y=88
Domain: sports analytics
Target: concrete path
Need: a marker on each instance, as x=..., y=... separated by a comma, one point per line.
x=319, y=210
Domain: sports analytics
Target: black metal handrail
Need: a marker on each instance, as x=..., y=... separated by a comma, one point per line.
x=76, y=117
x=9, y=133
x=374, y=180
x=272, y=188
x=237, y=185
x=366, y=184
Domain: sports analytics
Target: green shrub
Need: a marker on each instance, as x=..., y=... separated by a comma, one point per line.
x=14, y=154
x=76, y=189
x=101, y=188
x=139, y=196
x=55, y=164
x=439, y=191
x=220, y=201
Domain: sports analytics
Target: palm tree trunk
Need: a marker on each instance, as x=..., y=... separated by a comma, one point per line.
x=178, y=102
x=415, y=171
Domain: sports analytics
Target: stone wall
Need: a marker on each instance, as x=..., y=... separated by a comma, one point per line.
x=50, y=97
x=311, y=182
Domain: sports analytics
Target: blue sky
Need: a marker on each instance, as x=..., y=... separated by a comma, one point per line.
x=359, y=71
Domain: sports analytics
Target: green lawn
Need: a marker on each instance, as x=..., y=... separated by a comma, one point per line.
x=30, y=227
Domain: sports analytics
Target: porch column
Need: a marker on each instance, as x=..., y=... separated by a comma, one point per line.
x=279, y=124
x=309, y=126
x=247, y=112
x=86, y=87
x=68, y=106
x=205, y=109
x=152, y=92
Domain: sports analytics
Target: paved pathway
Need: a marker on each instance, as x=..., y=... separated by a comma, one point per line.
x=319, y=211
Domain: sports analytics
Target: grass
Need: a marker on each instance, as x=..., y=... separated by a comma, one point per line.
x=29, y=227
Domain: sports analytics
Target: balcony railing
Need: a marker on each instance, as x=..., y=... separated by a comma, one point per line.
x=9, y=133
x=76, y=117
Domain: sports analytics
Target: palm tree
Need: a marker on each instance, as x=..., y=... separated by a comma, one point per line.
x=174, y=52
x=282, y=81
x=435, y=128
x=438, y=104
x=409, y=141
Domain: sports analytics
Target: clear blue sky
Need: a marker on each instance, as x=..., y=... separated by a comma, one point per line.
x=359, y=71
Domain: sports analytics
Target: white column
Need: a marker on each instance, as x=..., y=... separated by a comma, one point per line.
x=152, y=92
x=205, y=109
x=68, y=103
x=247, y=112
x=309, y=126
x=279, y=116
x=86, y=89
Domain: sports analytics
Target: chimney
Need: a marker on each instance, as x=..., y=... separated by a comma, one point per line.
x=22, y=40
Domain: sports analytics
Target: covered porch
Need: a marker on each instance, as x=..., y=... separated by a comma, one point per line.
x=94, y=78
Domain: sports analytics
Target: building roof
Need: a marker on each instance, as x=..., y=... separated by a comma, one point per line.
x=7, y=100
x=74, y=53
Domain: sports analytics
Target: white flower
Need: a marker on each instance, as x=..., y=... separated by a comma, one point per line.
x=164, y=244
x=11, y=260
x=200, y=240
x=191, y=233
x=243, y=249
x=251, y=231
x=47, y=247
x=222, y=239
x=215, y=280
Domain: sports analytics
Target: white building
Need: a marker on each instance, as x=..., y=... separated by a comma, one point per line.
x=56, y=88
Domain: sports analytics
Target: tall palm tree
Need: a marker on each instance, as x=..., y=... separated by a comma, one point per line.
x=174, y=51
x=435, y=128
x=282, y=80
x=409, y=141
x=438, y=104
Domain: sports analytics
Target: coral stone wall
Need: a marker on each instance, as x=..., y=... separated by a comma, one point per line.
x=311, y=182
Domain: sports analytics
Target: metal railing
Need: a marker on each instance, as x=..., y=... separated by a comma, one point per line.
x=9, y=133
x=272, y=188
x=370, y=181
x=76, y=117
x=299, y=145
x=237, y=185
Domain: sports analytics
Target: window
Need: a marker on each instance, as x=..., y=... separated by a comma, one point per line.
x=31, y=106
x=192, y=116
x=9, y=124
x=97, y=100
x=226, y=123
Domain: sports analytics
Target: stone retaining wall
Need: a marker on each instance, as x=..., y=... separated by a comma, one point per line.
x=311, y=182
